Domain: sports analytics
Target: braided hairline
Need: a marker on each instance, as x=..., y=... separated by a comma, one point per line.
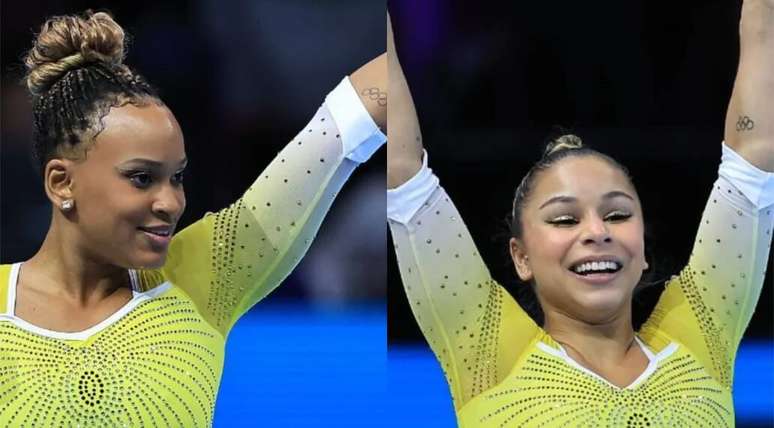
x=71, y=112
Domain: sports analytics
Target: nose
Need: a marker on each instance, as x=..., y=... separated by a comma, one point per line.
x=169, y=203
x=595, y=231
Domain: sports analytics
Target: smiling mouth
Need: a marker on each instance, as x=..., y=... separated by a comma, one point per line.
x=163, y=232
x=595, y=268
x=159, y=236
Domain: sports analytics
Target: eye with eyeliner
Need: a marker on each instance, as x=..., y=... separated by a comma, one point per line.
x=562, y=220
x=139, y=178
x=618, y=216
x=178, y=177
x=569, y=220
x=142, y=179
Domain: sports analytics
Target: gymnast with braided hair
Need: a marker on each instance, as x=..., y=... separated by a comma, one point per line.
x=577, y=241
x=117, y=320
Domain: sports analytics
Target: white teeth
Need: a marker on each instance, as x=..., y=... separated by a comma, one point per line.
x=596, y=266
x=157, y=232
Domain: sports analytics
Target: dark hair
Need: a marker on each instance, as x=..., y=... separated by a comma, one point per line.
x=75, y=73
x=564, y=146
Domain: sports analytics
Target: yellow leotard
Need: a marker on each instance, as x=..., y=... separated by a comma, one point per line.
x=157, y=362
x=503, y=370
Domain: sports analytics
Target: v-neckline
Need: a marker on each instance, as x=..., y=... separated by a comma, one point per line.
x=137, y=298
x=653, y=361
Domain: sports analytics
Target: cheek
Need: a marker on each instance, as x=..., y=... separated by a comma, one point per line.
x=632, y=238
x=121, y=215
x=109, y=203
x=548, y=249
x=93, y=183
x=548, y=243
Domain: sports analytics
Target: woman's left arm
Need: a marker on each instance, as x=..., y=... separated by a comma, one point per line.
x=708, y=307
x=228, y=261
x=370, y=83
x=750, y=118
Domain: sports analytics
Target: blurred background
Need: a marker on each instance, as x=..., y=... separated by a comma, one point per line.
x=647, y=82
x=243, y=77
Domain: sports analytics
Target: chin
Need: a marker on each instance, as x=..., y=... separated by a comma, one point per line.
x=603, y=306
x=152, y=261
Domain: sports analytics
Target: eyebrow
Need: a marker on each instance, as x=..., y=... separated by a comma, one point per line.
x=149, y=163
x=570, y=199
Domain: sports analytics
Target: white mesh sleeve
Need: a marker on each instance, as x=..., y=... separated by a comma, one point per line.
x=755, y=184
x=404, y=201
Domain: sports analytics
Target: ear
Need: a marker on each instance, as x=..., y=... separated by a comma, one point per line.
x=520, y=260
x=58, y=181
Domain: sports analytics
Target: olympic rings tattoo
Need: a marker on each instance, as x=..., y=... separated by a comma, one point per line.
x=745, y=124
x=374, y=94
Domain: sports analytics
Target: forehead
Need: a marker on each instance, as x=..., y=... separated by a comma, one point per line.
x=149, y=131
x=581, y=176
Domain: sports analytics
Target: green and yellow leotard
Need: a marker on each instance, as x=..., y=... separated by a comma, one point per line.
x=157, y=362
x=503, y=370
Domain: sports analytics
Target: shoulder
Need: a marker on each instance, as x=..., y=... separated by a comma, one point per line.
x=6, y=269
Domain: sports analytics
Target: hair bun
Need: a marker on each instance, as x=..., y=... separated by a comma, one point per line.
x=564, y=142
x=70, y=41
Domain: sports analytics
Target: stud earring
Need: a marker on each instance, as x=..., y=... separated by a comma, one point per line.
x=67, y=204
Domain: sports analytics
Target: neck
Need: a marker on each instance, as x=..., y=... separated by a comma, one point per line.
x=603, y=343
x=62, y=268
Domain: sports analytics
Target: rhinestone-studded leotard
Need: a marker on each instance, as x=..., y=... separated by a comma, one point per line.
x=157, y=362
x=503, y=370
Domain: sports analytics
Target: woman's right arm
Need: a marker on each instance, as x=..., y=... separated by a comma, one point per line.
x=462, y=312
x=404, y=149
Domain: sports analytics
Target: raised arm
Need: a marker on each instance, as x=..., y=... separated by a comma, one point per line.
x=370, y=83
x=472, y=324
x=404, y=149
x=750, y=117
x=228, y=261
x=708, y=307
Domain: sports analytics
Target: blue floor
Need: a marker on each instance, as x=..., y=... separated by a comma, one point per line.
x=291, y=366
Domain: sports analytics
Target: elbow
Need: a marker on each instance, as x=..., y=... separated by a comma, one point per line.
x=402, y=170
x=759, y=152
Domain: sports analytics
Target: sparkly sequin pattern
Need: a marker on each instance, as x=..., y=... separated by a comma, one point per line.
x=505, y=371
x=257, y=241
x=159, y=364
x=545, y=391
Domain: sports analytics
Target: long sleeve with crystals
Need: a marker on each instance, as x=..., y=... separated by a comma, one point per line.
x=459, y=307
x=709, y=305
x=158, y=360
x=505, y=371
x=230, y=260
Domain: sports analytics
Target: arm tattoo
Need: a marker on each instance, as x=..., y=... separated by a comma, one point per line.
x=375, y=94
x=745, y=124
